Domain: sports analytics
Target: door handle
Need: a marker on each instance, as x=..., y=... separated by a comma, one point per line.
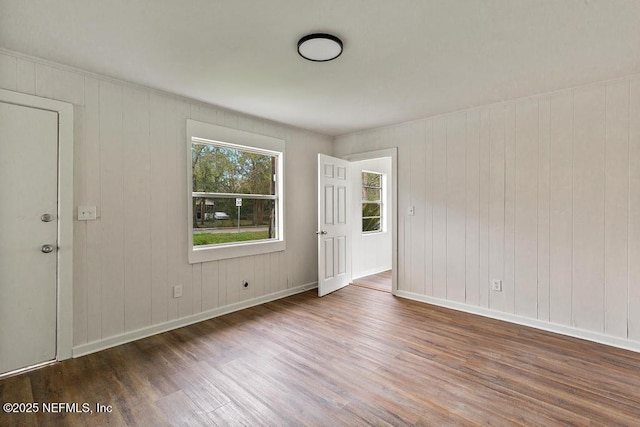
x=46, y=218
x=321, y=232
x=47, y=249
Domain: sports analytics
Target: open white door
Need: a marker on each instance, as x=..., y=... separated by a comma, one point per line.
x=334, y=234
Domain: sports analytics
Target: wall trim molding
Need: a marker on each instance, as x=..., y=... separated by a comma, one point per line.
x=526, y=321
x=103, y=344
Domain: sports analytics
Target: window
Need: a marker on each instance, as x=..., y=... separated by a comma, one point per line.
x=235, y=193
x=371, y=202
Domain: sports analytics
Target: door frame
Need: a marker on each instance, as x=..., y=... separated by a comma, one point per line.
x=393, y=154
x=64, y=275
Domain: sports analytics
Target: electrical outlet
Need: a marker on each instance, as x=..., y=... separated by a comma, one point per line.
x=496, y=285
x=177, y=291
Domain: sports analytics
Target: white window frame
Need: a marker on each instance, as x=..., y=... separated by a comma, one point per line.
x=382, y=203
x=246, y=141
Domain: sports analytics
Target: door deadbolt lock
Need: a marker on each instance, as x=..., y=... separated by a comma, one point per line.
x=47, y=249
x=46, y=218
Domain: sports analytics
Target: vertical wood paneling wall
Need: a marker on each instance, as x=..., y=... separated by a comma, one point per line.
x=542, y=193
x=130, y=162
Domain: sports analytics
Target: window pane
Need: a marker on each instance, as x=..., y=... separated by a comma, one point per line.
x=230, y=170
x=215, y=220
x=370, y=209
x=370, y=224
x=370, y=179
x=371, y=194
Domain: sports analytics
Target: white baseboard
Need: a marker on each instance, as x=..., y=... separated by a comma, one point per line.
x=113, y=341
x=525, y=321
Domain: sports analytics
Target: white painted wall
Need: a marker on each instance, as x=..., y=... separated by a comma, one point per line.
x=542, y=193
x=371, y=252
x=129, y=161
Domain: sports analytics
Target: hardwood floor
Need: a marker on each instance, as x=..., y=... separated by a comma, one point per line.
x=379, y=281
x=354, y=357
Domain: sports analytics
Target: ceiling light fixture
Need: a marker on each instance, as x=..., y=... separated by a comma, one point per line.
x=320, y=47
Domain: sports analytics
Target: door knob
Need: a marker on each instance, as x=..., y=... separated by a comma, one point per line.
x=321, y=232
x=47, y=249
x=46, y=218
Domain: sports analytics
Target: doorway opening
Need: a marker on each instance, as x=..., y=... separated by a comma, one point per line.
x=374, y=218
x=357, y=223
x=371, y=216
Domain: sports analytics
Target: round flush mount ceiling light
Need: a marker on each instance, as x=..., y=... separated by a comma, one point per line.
x=320, y=47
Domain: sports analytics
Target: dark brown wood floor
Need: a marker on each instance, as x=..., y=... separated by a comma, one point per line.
x=354, y=357
x=379, y=281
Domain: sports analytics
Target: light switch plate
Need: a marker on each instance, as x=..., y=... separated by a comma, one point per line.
x=86, y=213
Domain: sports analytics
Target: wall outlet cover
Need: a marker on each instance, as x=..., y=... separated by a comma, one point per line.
x=177, y=291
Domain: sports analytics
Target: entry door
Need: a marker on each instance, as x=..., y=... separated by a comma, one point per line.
x=334, y=236
x=28, y=238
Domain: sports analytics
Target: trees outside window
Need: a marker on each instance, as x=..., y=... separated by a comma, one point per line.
x=371, y=202
x=234, y=193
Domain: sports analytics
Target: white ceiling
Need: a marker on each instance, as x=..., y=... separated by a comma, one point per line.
x=403, y=59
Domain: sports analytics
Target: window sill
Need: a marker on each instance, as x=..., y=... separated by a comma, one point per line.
x=215, y=253
x=373, y=233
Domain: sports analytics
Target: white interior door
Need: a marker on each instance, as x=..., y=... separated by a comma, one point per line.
x=334, y=234
x=28, y=240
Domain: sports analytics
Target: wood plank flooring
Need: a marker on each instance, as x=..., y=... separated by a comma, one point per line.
x=379, y=281
x=354, y=357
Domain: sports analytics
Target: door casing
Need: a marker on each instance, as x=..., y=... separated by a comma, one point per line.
x=64, y=304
